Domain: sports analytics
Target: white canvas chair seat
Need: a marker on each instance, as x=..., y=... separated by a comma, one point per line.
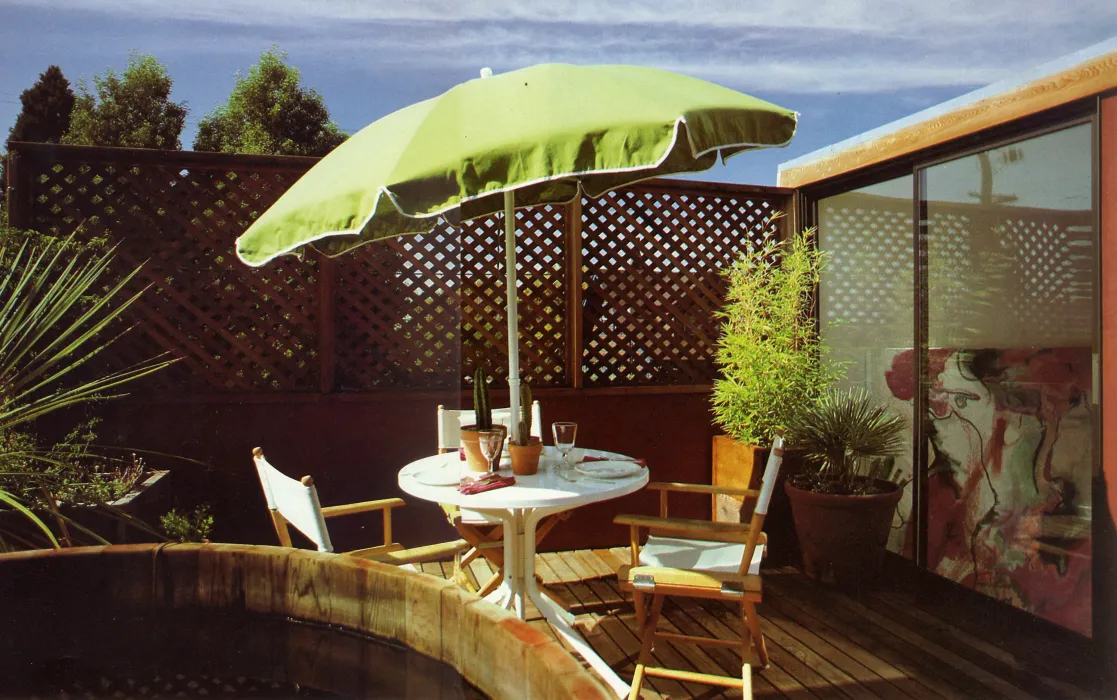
x=698, y=555
x=295, y=502
x=699, y=559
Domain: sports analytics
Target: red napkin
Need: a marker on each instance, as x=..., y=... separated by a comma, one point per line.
x=488, y=482
x=642, y=462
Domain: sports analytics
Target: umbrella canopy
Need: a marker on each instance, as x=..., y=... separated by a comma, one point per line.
x=540, y=135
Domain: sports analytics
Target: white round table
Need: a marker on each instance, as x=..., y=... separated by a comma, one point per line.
x=520, y=508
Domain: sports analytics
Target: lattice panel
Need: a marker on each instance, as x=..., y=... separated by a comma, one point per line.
x=236, y=329
x=652, y=284
x=398, y=313
x=867, y=284
x=540, y=268
x=421, y=311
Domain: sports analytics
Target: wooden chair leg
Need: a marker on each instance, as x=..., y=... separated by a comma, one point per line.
x=746, y=681
x=639, y=605
x=492, y=584
x=646, y=647
x=752, y=620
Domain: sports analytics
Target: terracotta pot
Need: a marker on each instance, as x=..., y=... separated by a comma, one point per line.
x=525, y=458
x=843, y=538
x=474, y=460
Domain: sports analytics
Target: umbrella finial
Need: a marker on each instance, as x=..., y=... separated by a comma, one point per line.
x=486, y=72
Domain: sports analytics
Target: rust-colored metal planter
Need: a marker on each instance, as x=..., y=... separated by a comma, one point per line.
x=842, y=538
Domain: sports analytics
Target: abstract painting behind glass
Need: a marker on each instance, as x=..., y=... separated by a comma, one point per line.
x=1011, y=444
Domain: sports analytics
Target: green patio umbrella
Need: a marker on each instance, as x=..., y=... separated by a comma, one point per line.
x=540, y=135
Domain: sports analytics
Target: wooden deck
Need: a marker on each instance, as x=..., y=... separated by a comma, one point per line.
x=894, y=644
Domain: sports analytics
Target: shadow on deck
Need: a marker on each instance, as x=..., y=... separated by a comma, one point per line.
x=900, y=642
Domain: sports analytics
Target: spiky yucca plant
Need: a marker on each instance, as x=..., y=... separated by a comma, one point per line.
x=841, y=431
x=54, y=318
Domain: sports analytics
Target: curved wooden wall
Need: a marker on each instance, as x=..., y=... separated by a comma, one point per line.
x=298, y=616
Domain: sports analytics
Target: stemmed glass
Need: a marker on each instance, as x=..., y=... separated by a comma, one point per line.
x=565, y=433
x=490, y=442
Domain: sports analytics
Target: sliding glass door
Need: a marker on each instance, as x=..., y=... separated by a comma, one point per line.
x=966, y=293
x=1011, y=335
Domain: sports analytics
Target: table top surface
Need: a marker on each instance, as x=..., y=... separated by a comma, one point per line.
x=548, y=488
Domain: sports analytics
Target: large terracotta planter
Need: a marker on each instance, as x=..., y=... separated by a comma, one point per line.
x=740, y=465
x=842, y=538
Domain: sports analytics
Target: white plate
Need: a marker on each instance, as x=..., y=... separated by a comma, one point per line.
x=608, y=469
x=442, y=476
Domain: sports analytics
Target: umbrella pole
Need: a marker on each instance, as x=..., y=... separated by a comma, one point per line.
x=513, y=314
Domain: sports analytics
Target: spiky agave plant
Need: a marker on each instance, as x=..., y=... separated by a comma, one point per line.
x=54, y=319
x=842, y=431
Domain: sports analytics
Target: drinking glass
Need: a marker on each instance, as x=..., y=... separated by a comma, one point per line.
x=490, y=442
x=565, y=433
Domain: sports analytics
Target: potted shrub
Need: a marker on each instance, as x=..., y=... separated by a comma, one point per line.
x=525, y=453
x=843, y=502
x=483, y=415
x=770, y=357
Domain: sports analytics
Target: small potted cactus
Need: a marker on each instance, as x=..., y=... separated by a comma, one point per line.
x=483, y=412
x=525, y=453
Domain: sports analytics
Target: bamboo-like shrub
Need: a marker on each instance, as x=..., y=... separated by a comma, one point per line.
x=770, y=356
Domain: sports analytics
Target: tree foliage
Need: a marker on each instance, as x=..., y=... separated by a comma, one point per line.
x=45, y=116
x=132, y=110
x=269, y=112
x=47, y=105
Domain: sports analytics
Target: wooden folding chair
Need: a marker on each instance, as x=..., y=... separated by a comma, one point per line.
x=295, y=502
x=699, y=559
x=484, y=536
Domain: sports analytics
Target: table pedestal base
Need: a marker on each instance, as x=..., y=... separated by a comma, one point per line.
x=519, y=586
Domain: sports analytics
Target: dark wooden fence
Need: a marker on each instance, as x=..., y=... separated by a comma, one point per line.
x=336, y=365
x=616, y=291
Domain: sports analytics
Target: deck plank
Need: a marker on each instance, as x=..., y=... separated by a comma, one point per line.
x=891, y=644
x=921, y=683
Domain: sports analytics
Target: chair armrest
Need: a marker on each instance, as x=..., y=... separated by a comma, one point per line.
x=691, y=529
x=385, y=505
x=362, y=507
x=713, y=584
x=420, y=555
x=703, y=488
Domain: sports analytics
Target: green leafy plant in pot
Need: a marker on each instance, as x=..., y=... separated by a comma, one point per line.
x=844, y=501
x=525, y=453
x=770, y=359
x=483, y=417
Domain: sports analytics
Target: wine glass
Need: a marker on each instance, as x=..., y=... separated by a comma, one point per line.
x=490, y=442
x=565, y=432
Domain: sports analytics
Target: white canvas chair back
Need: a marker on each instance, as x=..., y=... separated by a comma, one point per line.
x=297, y=501
x=450, y=423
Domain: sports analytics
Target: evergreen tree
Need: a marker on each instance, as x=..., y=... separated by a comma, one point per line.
x=45, y=116
x=132, y=110
x=46, y=109
x=268, y=112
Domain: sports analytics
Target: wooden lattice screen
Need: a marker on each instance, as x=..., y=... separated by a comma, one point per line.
x=632, y=305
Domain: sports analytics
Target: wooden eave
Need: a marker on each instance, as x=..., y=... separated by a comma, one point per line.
x=937, y=125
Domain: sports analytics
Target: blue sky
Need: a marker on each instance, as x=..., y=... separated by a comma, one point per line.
x=846, y=65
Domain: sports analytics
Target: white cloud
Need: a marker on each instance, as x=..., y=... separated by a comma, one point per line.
x=802, y=46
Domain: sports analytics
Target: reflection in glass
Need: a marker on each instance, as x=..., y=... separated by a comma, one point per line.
x=1011, y=321
x=865, y=301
